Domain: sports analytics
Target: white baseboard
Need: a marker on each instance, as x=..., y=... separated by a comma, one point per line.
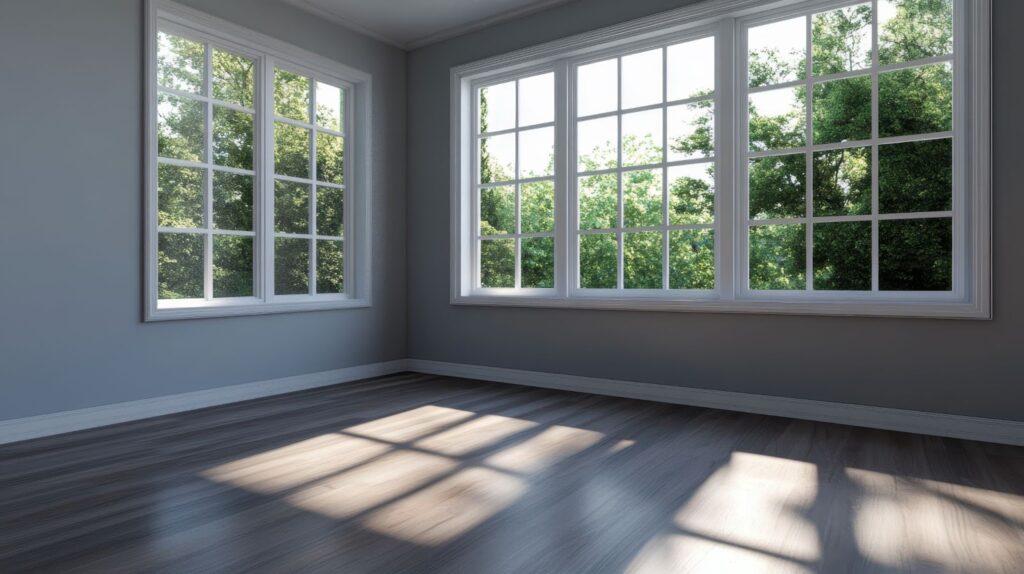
x=68, y=421
x=956, y=426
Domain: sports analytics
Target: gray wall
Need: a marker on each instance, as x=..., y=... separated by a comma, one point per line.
x=963, y=367
x=71, y=213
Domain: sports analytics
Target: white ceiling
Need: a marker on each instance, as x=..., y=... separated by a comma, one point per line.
x=413, y=23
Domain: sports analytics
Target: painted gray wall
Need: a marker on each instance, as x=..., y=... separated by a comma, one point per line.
x=71, y=334
x=963, y=367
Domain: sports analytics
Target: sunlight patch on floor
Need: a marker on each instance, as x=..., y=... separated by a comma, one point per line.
x=473, y=435
x=411, y=424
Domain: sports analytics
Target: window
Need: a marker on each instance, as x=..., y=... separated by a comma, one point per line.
x=818, y=157
x=257, y=193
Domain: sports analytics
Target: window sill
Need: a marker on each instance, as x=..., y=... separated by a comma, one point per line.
x=243, y=307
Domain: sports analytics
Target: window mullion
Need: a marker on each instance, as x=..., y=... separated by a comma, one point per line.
x=809, y=158
x=208, y=179
x=266, y=187
x=730, y=134
x=874, y=146
x=311, y=272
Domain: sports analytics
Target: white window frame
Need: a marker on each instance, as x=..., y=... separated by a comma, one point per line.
x=971, y=294
x=268, y=53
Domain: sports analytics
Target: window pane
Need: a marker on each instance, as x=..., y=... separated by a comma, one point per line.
x=915, y=255
x=537, y=208
x=330, y=106
x=642, y=256
x=291, y=150
x=498, y=210
x=915, y=176
x=914, y=29
x=232, y=138
x=330, y=266
x=180, y=265
x=232, y=201
x=641, y=79
x=180, y=128
x=291, y=95
x=330, y=211
x=691, y=259
x=691, y=130
x=498, y=107
x=599, y=201
x=597, y=144
x=538, y=262
x=777, y=119
x=777, y=52
x=691, y=69
x=497, y=158
x=916, y=100
x=599, y=257
x=232, y=266
x=537, y=152
x=330, y=158
x=233, y=78
x=180, y=63
x=691, y=194
x=498, y=263
x=537, y=99
x=597, y=87
x=180, y=196
x=842, y=182
x=842, y=110
x=777, y=187
x=642, y=138
x=842, y=256
x=641, y=198
x=777, y=257
x=841, y=40
x=291, y=266
x=291, y=207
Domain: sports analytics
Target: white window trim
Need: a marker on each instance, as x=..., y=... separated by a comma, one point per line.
x=971, y=297
x=358, y=190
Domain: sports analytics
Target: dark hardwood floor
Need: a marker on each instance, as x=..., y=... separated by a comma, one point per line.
x=413, y=473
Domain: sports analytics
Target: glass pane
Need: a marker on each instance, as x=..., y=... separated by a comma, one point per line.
x=179, y=63
x=498, y=263
x=291, y=207
x=691, y=69
x=291, y=150
x=498, y=107
x=538, y=262
x=180, y=265
x=642, y=258
x=597, y=87
x=841, y=40
x=330, y=266
x=691, y=263
x=641, y=79
x=537, y=99
x=291, y=266
x=842, y=110
x=498, y=210
x=233, y=78
x=232, y=201
x=537, y=206
x=842, y=256
x=232, y=138
x=497, y=158
x=642, y=138
x=232, y=266
x=777, y=187
x=536, y=152
x=916, y=100
x=641, y=198
x=330, y=211
x=777, y=119
x=291, y=95
x=842, y=182
x=915, y=176
x=691, y=130
x=330, y=158
x=330, y=106
x=180, y=127
x=914, y=29
x=597, y=144
x=180, y=196
x=777, y=52
x=691, y=194
x=777, y=257
x=599, y=201
x=599, y=261
x=915, y=255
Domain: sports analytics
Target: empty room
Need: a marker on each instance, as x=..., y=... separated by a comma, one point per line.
x=511, y=286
